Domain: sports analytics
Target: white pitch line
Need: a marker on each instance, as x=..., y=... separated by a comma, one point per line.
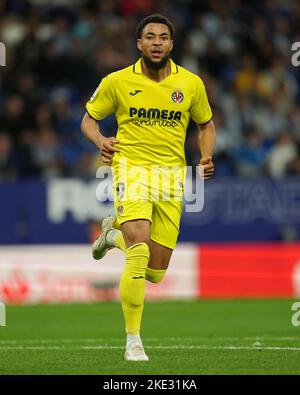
x=201, y=347
x=95, y=340
x=153, y=339
x=191, y=347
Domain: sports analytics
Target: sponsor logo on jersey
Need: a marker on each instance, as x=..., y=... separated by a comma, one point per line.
x=155, y=113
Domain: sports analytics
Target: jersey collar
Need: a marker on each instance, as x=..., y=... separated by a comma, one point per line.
x=137, y=67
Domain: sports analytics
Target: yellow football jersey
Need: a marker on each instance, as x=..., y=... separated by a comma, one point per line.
x=152, y=116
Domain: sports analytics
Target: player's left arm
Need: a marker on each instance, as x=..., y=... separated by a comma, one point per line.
x=207, y=142
x=201, y=113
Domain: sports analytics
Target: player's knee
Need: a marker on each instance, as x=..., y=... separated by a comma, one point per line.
x=133, y=238
x=136, y=233
x=155, y=275
x=130, y=242
x=139, y=248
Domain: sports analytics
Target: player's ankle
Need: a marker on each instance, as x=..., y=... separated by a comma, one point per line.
x=133, y=338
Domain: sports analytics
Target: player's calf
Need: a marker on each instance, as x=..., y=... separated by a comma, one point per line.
x=155, y=275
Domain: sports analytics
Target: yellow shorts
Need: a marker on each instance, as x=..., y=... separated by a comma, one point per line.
x=164, y=218
x=162, y=209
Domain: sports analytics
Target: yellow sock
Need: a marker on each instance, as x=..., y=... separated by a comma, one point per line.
x=132, y=286
x=155, y=275
x=119, y=241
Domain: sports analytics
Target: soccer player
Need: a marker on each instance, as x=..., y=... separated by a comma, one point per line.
x=153, y=101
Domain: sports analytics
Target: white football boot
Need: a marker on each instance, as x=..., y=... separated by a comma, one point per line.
x=101, y=246
x=135, y=352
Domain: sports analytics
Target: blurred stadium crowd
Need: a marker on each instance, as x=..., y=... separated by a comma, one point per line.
x=58, y=51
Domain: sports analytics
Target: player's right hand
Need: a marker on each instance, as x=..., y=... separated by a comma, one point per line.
x=107, y=149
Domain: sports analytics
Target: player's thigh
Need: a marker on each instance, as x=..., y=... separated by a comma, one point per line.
x=136, y=231
x=159, y=256
x=134, y=218
x=165, y=225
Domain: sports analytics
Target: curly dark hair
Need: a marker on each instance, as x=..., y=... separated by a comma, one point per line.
x=155, y=18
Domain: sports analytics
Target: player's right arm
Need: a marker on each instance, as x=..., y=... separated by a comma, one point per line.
x=101, y=104
x=91, y=131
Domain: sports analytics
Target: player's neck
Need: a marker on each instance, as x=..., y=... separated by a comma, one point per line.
x=156, y=75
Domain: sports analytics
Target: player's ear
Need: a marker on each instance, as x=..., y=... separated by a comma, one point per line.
x=171, y=45
x=139, y=44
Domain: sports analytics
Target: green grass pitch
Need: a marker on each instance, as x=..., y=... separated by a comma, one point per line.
x=191, y=337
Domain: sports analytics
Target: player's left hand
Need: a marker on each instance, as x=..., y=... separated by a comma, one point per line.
x=206, y=168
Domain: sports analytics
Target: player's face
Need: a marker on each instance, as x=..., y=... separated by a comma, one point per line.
x=155, y=44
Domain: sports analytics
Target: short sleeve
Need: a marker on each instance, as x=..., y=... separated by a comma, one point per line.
x=200, y=109
x=103, y=102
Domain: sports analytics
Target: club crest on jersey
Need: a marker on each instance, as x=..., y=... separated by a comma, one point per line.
x=177, y=96
x=120, y=210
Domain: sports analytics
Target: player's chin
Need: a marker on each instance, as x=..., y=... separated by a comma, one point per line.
x=156, y=59
x=156, y=62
